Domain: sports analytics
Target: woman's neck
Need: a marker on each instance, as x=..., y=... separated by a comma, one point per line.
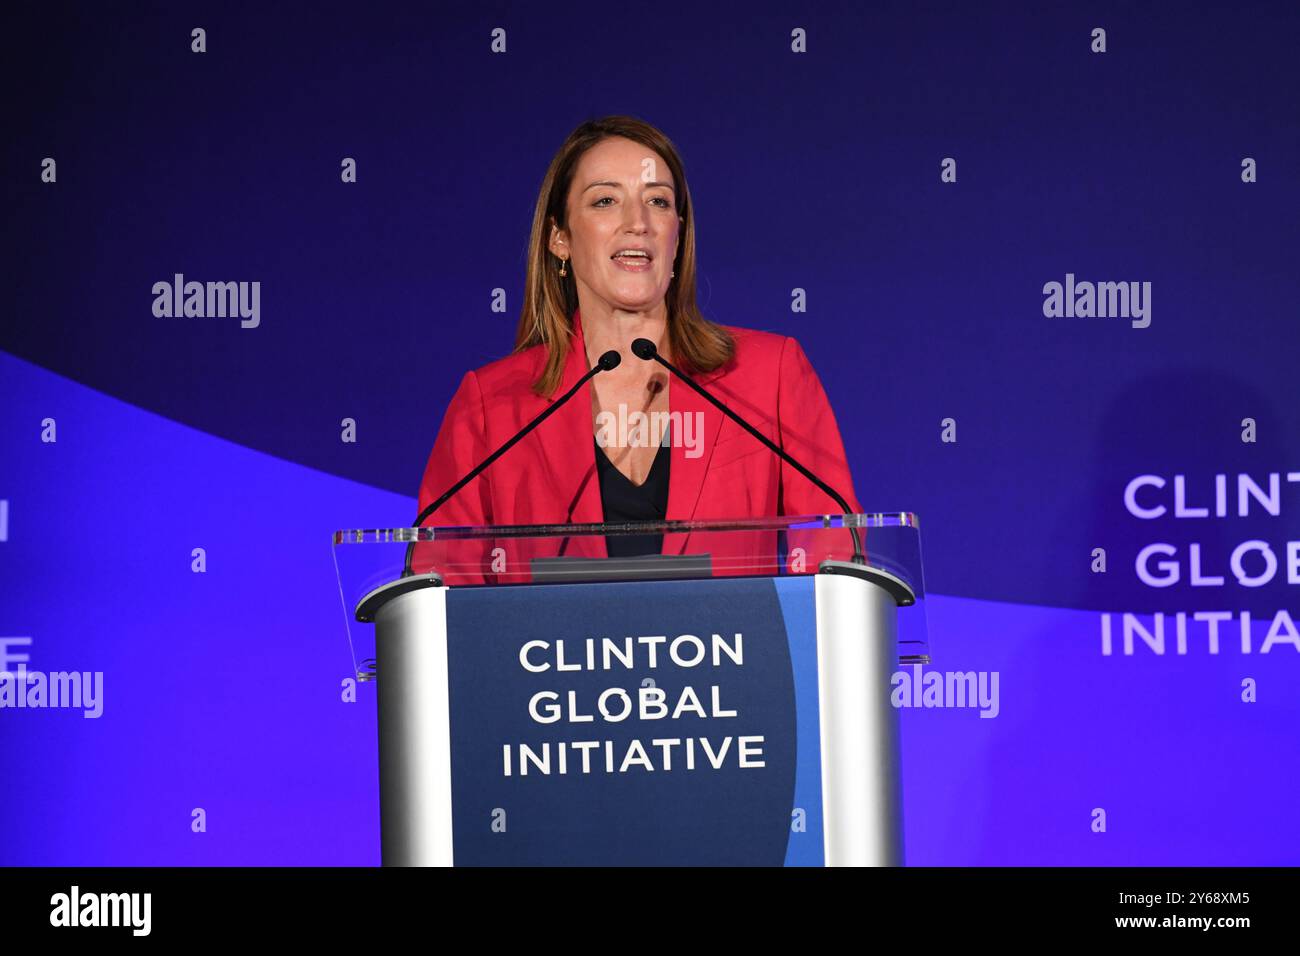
x=605, y=328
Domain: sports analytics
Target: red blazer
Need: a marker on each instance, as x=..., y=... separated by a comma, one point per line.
x=550, y=476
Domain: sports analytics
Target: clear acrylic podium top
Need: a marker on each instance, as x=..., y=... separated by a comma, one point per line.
x=370, y=561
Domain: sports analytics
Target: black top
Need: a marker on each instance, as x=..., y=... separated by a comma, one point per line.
x=624, y=501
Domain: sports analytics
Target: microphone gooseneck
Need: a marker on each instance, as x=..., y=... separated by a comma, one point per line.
x=610, y=360
x=645, y=349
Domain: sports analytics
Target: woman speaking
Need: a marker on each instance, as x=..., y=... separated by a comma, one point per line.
x=611, y=260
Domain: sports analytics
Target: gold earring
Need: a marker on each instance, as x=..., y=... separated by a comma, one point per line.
x=563, y=267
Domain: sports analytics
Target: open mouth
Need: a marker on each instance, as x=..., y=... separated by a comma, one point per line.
x=634, y=260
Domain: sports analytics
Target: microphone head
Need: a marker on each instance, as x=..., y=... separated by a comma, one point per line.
x=644, y=349
x=610, y=360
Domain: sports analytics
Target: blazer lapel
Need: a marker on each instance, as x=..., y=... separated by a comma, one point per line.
x=700, y=422
x=568, y=445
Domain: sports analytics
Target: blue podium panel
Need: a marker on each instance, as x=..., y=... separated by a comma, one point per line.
x=635, y=723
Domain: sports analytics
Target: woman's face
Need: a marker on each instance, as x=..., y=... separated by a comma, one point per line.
x=621, y=201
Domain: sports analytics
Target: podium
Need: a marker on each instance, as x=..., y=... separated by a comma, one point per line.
x=725, y=701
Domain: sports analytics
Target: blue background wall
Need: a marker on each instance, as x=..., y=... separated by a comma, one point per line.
x=817, y=171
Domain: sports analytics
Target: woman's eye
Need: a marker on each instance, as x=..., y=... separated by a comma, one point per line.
x=666, y=203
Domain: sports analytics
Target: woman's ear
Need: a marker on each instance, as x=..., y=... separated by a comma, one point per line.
x=559, y=241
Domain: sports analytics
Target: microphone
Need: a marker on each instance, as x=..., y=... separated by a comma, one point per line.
x=645, y=349
x=610, y=360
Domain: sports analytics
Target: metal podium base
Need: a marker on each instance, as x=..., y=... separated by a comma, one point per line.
x=410, y=616
x=862, y=801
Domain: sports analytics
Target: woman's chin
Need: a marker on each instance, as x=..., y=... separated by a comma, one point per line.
x=635, y=297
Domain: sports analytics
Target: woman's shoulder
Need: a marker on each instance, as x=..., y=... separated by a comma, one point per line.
x=514, y=372
x=755, y=338
x=759, y=348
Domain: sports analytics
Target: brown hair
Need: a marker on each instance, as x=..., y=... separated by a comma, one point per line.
x=551, y=299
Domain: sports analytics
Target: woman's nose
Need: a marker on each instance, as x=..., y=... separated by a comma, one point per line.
x=636, y=218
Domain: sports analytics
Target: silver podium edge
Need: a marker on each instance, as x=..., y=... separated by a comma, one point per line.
x=862, y=807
